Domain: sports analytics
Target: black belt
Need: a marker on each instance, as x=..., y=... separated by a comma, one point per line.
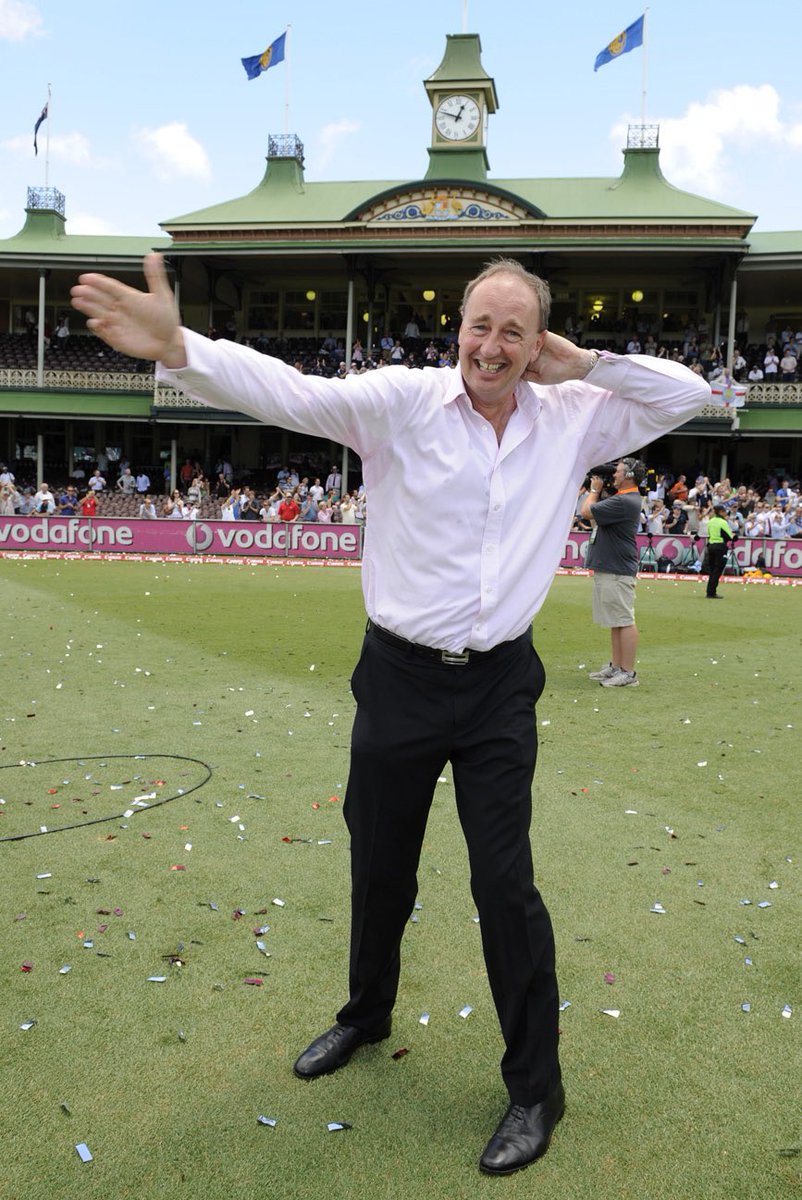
x=452, y=658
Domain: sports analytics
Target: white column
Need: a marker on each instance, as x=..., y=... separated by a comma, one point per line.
x=349, y=323
x=40, y=341
x=731, y=325
x=40, y=460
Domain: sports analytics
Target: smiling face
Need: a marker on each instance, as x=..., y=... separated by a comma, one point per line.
x=499, y=336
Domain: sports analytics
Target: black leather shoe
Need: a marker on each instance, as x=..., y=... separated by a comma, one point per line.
x=334, y=1048
x=523, y=1135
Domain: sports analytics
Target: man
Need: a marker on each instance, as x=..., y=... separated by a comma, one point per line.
x=334, y=483
x=447, y=669
x=68, y=501
x=678, y=490
x=677, y=520
x=613, y=557
x=143, y=483
x=126, y=482
x=147, y=509
x=44, y=501
x=718, y=535
x=788, y=366
x=88, y=504
x=288, y=510
x=248, y=510
x=96, y=481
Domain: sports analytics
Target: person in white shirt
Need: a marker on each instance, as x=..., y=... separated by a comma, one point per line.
x=656, y=518
x=44, y=501
x=450, y=605
x=777, y=522
x=758, y=524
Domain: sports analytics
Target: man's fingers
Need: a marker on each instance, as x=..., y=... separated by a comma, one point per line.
x=156, y=276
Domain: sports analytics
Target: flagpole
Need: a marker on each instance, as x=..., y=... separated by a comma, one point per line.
x=47, y=137
x=643, y=72
x=287, y=80
x=464, y=16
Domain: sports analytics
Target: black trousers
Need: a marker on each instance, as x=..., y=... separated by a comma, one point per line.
x=413, y=715
x=717, y=555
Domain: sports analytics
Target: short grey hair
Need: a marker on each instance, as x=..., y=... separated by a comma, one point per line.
x=511, y=266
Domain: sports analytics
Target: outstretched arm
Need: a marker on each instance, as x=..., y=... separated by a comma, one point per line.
x=142, y=324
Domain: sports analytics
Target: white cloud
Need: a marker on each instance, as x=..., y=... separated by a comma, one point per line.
x=714, y=140
x=19, y=20
x=330, y=140
x=174, y=152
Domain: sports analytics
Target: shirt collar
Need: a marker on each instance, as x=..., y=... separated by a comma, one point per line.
x=526, y=396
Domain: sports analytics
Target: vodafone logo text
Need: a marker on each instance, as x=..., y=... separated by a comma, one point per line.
x=225, y=537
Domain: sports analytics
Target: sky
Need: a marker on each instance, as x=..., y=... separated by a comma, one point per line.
x=152, y=115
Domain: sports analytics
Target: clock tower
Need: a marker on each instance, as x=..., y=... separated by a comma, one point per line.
x=462, y=96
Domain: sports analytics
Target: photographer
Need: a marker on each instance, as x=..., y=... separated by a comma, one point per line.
x=613, y=557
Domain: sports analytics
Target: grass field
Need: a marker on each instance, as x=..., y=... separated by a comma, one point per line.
x=682, y=793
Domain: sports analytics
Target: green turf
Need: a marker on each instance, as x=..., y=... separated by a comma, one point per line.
x=684, y=1095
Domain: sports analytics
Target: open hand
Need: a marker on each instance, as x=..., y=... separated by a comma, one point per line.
x=141, y=324
x=558, y=361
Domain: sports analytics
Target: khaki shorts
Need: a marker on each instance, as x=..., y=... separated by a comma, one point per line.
x=613, y=600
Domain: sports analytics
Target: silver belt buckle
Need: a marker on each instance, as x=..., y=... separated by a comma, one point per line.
x=455, y=658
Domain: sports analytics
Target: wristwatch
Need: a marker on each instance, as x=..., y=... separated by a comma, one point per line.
x=594, y=358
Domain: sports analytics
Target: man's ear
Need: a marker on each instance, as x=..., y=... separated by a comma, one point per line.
x=538, y=346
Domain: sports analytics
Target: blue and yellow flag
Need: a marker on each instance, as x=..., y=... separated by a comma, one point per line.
x=263, y=62
x=626, y=41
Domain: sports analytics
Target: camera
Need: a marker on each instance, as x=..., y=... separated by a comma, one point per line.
x=605, y=472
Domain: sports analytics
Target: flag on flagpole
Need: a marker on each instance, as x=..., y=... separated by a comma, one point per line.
x=626, y=41
x=263, y=62
x=42, y=117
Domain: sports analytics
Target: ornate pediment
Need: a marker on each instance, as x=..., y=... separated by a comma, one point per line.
x=443, y=204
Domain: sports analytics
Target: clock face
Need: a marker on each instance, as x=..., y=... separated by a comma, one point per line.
x=457, y=118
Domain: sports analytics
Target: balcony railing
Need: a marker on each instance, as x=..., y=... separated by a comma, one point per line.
x=779, y=395
x=77, y=381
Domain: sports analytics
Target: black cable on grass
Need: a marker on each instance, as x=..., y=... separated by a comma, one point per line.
x=80, y=759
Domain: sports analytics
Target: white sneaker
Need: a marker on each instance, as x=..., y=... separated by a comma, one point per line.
x=604, y=673
x=621, y=679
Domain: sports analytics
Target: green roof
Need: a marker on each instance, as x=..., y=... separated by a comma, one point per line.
x=45, y=233
x=777, y=242
x=641, y=193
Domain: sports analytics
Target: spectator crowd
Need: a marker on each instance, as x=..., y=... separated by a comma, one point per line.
x=671, y=506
